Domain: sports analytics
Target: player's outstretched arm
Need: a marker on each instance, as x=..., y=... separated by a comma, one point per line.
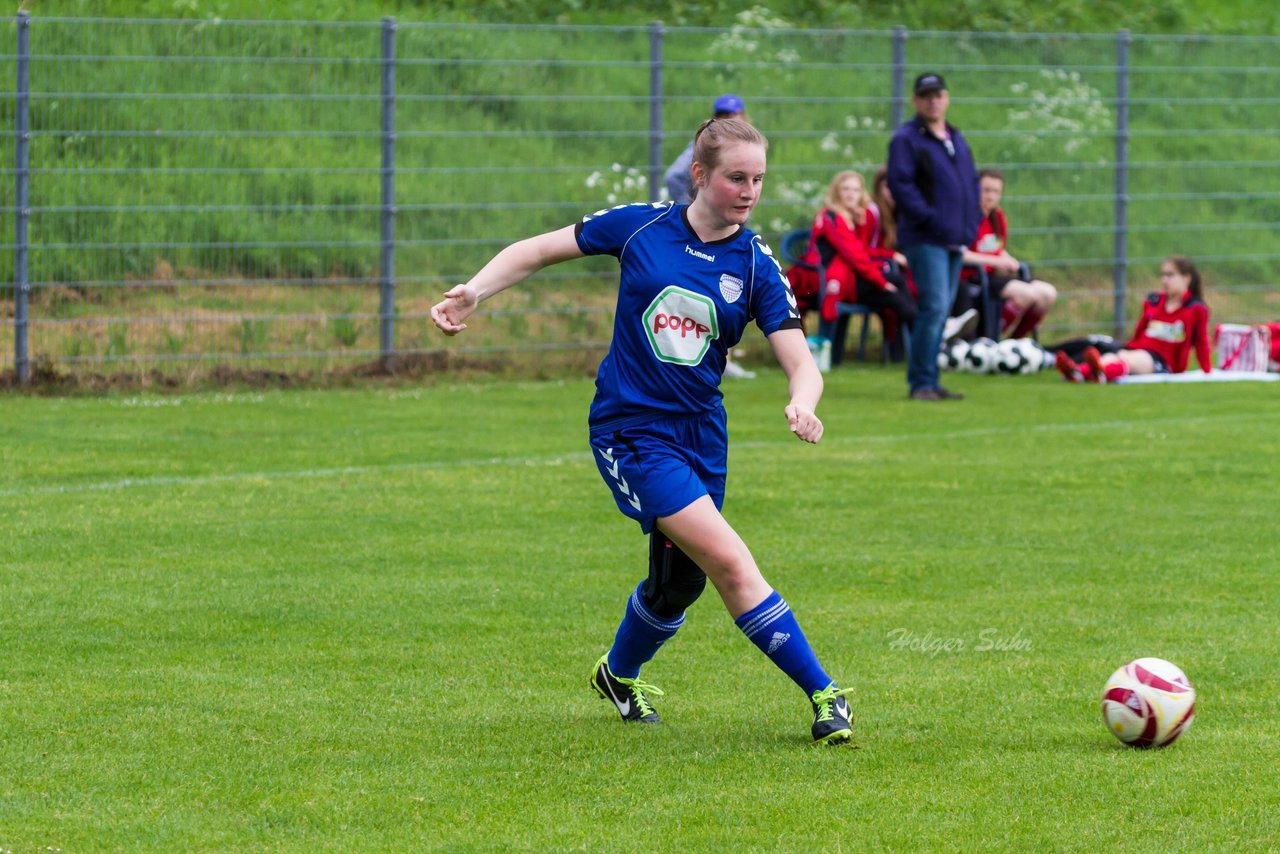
x=805, y=383
x=512, y=265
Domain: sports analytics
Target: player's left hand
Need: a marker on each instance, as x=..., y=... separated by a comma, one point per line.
x=804, y=423
x=458, y=304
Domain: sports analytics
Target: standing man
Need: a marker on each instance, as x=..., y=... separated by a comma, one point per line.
x=935, y=187
x=678, y=178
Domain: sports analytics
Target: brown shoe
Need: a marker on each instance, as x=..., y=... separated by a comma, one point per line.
x=943, y=394
x=925, y=394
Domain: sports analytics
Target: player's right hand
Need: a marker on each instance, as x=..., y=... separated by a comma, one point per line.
x=458, y=304
x=804, y=423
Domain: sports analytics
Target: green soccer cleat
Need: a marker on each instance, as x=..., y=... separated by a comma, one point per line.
x=628, y=695
x=831, y=715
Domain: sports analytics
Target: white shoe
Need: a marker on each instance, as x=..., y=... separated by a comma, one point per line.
x=733, y=369
x=955, y=325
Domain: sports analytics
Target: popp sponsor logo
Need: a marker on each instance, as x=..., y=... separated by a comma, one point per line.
x=680, y=326
x=684, y=325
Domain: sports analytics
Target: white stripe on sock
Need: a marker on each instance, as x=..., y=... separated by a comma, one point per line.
x=761, y=622
x=651, y=618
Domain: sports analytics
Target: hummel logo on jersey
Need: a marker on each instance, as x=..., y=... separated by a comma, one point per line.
x=696, y=254
x=779, y=638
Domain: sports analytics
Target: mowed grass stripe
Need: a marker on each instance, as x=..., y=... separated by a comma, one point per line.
x=561, y=459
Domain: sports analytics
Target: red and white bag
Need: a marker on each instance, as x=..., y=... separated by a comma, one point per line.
x=1243, y=348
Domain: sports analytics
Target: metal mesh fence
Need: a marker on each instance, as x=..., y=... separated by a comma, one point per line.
x=286, y=193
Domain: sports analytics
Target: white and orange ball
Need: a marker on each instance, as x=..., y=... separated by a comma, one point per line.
x=1148, y=703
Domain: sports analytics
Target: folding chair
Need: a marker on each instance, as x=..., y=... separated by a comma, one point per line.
x=992, y=304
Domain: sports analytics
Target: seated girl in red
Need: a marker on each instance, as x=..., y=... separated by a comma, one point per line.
x=839, y=244
x=1172, y=324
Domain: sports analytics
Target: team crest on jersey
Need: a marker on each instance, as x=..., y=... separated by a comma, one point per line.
x=730, y=287
x=681, y=325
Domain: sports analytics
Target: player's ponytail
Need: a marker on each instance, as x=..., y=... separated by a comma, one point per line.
x=1183, y=265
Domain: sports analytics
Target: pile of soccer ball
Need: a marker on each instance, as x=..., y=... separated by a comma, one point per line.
x=1148, y=703
x=984, y=356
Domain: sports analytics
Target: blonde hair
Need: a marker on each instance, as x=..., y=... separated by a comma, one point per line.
x=834, y=202
x=714, y=135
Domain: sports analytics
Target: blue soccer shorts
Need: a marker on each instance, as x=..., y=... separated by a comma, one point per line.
x=659, y=467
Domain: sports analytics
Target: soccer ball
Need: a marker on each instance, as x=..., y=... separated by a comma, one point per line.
x=1148, y=703
x=1011, y=358
x=1038, y=358
x=952, y=358
x=1019, y=356
x=981, y=358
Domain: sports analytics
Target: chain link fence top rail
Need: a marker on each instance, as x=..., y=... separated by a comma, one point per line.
x=289, y=192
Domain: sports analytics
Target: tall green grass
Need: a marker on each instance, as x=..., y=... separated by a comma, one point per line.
x=509, y=130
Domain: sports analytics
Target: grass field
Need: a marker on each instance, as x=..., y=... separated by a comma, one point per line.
x=364, y=620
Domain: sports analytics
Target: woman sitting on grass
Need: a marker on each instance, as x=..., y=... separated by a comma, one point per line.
x=1172, y=324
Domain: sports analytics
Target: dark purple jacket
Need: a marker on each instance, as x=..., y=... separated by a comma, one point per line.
x=935, y=194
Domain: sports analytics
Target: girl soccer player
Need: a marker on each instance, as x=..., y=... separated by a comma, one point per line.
x=1173, y=323
x=692, y=277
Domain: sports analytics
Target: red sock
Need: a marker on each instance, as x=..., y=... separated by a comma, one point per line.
x=1029, y=321
x=1115, y=370
x=1009, y=315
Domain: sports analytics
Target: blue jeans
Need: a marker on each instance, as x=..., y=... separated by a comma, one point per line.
x=936, y=270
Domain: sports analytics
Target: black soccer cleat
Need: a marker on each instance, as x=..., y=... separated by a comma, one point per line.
x=831, y=715
x=628, y=695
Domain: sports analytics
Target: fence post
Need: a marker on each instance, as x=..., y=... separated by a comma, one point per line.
x=656, y=167
x=21, y=212
x=1119, y=271
x=387, y=285
x=899, y=77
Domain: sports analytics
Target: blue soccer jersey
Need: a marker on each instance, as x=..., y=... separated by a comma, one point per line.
x=682, y=304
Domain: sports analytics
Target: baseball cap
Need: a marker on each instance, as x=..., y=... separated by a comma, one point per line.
x=729, y=104
x=929, y=82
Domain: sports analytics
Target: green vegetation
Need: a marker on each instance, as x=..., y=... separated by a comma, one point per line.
x=1244, y=17
x=504, y=131
x=364, y=620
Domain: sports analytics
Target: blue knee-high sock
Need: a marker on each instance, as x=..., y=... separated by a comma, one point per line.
x=772, y=627
x=639, y=636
